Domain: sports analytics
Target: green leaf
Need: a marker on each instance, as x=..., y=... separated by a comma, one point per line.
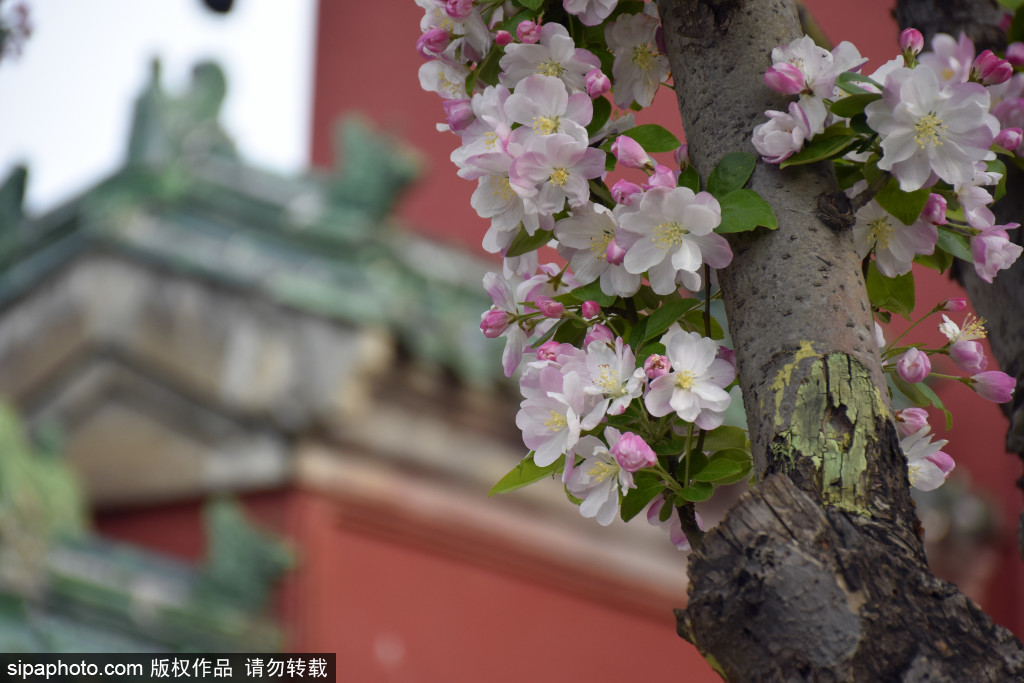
x=524, y=243
x=940, y=260
x=1011, y=4
x=718, y=468
x=653, y=138
x=894, y=294
x=744, y=210
x=852, y=105
x=996, y=166
x=741, y=458
x=821, y=148
x=512, y=22
x=1016, y=31
x=732, y=173
x=934, y=399
x=573, y=332
x=698, y=491
x=648, y=485
x=910, y=391
x=725, y=437
x=531, y=4
x=525, y=473
x=696, y=322
x=671, y=447
x=689, y=178
x=905, y=206
x=848, y=81
x=955, y=244
x=670, y=312
x=592, y=292
x=602, y=111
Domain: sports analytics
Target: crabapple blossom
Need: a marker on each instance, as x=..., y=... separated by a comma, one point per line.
x=993, y=385
x=554, y=55
x=500, y=291
x=590, y=12
x=543, y=106
x=494, y=322
x=590, y=309
x=989, y=69
x=972, y=328
x=626, y=192
x=633, y=453
x=503, y=38
x=628, y=152
x=934, y=210
x=783, y=134
x=895, y=244
x=784, y=78
x=1015, y=53
x=954, y=304
x=615, y=253
x=611, y=374
x=950, y=59
x=910, y=420
x=911, y=41
x=584, y=239
x=663, y=176
x=639, y=66
x=914, y=365
x=672, y=234
x=993, y=251
x=657, y=365
x=432, y=43
x=551, y=424
x=927, y=466
x=820, y=69
x=968, y=355
x=549, y=307
x=672, y=525
x=1009, y=138
x=555, y=168
x=597, y=84
x=447, y=80
x=926, y=129
x=695, y=389
x=528, y=32
x=598, y=333
x=599, y=478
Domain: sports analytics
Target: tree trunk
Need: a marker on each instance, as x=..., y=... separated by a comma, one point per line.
x=1001, y=302
x=819, y=573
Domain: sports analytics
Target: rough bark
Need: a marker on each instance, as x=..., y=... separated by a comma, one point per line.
x=1002, y=301
x=818, y=574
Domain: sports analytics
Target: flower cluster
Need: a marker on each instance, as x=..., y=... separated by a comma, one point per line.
x=915, y=142
x=616, y=359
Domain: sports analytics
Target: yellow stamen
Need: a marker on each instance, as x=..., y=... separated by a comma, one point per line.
x=602, y=470
x=929, y=130
x=685, y=380
x=880, y=231
x=558, y=176
x=669, y=235
x=599, y=245
x=643, y=57
x=550, y=68
x=501, y=188
x=545, y=125
x=556, y=422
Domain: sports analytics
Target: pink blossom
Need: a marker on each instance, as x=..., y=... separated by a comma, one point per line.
x=503, y=38
x=554, y=55
x=494, y=322
x=954, y=304
x=656, y=365
x=459, y=113
x=548, y=350
x=911, y=41
x=784, y=78
x=914, y=365
x=990, y=69
x=950, y=59
x=549, y=307
x=726, y=354
x=544, y=106
x=663, y=176
x=614, y=253
x=695, y=389
x=585, y=240
x=1015, y=53
x=927, y=467
x=1009, y=138
x=599, y=479
x=628, y=152
x=590, y=309
x=672, y=525
x=555, y=168
x=943, y=461
x=993, y=385
x=625, y=192
x=458, y=9
x=500, y=291
x=639, y=66
x=895, y=244
x=968, y=355
x=682, y=155
x=597, y=83
x=911, y=420
x=598, y=333
x=528, y=32
x=432, y=43
x=993, y=251
x=590, y=12
x=934, y=210
x=633, y=453
x=783, y=134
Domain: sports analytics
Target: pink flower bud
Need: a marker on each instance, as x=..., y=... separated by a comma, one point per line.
x=934, y=210
x=1009, y=138
x=598, y=333
x=656, y=366
x=911, y=41
x=913, y=365
x=629, y=152
x=1015, y=53
x=459, y=113
x=990, y=69
x=548, y=350
x=614, y=254
x=528, y=31
x=968, y=355
x=503, y=38
x=432, y=42
x=784, y=78
x=663, y=176
x=549, y=307
x=993, y=385
x=682, y=155
x=942, y=460
x=493, y=323
x=954, y=303
x=590, y=309
x=911, y=420
x=625, y=192
x=633, y=453
x=1006, y=21
x=597, y=83
x=726, y=354
x=458, y=9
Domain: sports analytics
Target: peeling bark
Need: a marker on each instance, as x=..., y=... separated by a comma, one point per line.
x=819, y=573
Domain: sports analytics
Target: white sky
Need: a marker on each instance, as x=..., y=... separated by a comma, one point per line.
x=65, y=105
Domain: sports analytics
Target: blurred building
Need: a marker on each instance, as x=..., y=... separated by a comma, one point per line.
x=194, y=327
